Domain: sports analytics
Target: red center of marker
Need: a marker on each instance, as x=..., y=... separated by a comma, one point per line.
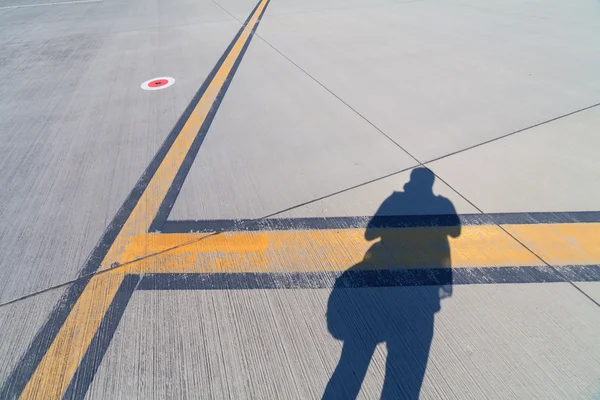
x=157, y=83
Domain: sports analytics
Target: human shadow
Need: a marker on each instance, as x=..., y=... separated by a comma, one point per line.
x=393, y=294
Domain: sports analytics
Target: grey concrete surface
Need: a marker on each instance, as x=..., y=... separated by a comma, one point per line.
x=303, y=127
x=279, y=140
x=574, y=12
x=439, y=76
x=103, y=18
x=591, y=289
x=366, y=199
x=77, y=131
x=489, y=342
x=19, y=323
x=487, y=65
x=553, y=167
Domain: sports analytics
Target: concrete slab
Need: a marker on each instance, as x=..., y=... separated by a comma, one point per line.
x=12, y=4
x=241, y=8
x=591, y=289
x=77, y=133
x=279, y=140
x=19, y=323
x=438, y=76
x=276, y=344
x=554, y=167
x=579, y=12
x=366, y=199
x=103, y=17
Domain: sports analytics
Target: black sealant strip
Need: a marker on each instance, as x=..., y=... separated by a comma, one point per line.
x=16, y=381
x=368, y=278
x=92, y=359
x=18, y=378
x=169, y=201
x=84, y=375
x=405, y=221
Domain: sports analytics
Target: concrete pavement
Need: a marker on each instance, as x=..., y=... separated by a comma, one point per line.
x=217, y=239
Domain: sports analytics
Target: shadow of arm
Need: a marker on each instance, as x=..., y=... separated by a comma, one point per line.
x=455, y=228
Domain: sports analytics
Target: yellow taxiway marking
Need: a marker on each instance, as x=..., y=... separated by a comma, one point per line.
x=323, y=250
x=148, y=205
x=56, y=369
x=561, y=244
x=338, y=249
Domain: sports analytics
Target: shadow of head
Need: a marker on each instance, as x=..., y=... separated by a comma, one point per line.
x=421, y=182
x=393, y=294
x=413, y=228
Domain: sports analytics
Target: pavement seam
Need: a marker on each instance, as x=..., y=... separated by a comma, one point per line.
x=113, y=267
x=331, y=194
x=422, y=164
x=556, y=271
x=456, y=152
x=209, y=234
x=336, y=193
x=230, y=14
x=341, y=100
x=120, y=265
x=328, y=90
x=514, y=132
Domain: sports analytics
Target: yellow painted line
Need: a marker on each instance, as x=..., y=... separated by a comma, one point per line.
x=326, y=250
x=145, y=210
x=56, y=369
x=58, y=366
x=337, y=250
x=561, y=244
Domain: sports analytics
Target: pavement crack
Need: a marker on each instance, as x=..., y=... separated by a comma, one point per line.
x=514, y=132
x=113, y=267
x=552, y=267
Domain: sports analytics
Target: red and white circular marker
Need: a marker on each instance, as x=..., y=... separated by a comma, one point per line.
x=158, y=83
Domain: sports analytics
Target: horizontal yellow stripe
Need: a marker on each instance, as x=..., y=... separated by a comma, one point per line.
x=338, y=250
x=561, y=244
x=58, y=366
x=55, y=371
x=307, y=251
x=151, y=199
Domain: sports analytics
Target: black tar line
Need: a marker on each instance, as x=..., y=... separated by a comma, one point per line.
x=305, y=280
x=368, y=278
x=408, y=221
x=95, y=352
x=171, y=196
x=16, y=381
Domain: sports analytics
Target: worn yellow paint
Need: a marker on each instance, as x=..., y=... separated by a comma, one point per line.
x=306, y=251
x=147, y=207
x=561, y=244
x=58, y=366
x=56, y=369
x=337, y=250
x=327, y=250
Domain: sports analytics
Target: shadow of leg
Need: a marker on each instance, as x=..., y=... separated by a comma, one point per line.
x=406, y=363
x=351, y=369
